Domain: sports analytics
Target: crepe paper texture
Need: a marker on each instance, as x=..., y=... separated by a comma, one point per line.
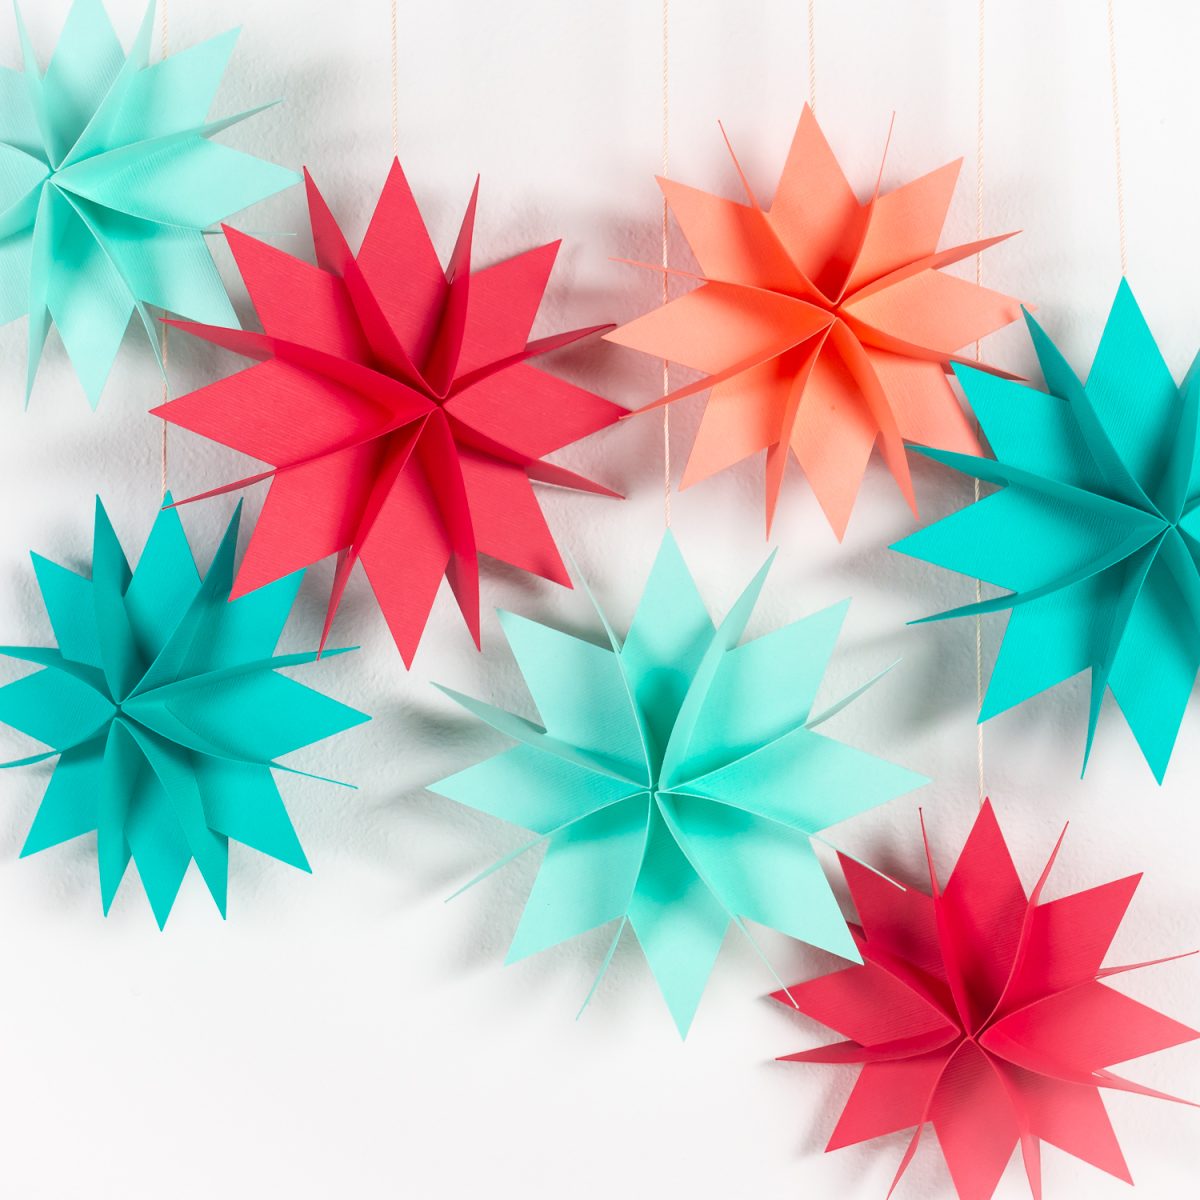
x=164, y=707
x=678, y=782
x=984, y=1012
x=398, y=406
x=822, y=325
x=108, y=184
x=1095, y=532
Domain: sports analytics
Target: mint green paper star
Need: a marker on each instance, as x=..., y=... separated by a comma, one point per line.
x=678, y=781
x=108, y=184
x=1095, y=533
x=165, y=711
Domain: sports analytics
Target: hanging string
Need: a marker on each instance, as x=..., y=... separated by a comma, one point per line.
x=979, y=283
x=395, y=89
x=165, y=49
x=666, y=142
x=1116, y=116
x=812, y=55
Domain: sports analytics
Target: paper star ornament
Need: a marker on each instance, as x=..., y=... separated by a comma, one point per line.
x=983, y=1011
x=676, y=781
x=822, y=325
x=1095, y=533
x=164, y=707
x=108, y=184
x=398, y=406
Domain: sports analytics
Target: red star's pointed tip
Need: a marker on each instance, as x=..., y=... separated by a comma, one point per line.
x=310, y=188
x=239, y=243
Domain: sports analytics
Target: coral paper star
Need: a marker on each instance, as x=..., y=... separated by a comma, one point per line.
x=108, y=187
x=678, y=780
x=399, y=410
x=822, y=325
x=1096, y=531
x=983, y=1011
x=166, y=713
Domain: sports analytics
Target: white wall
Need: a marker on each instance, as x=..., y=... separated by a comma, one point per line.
x=349, y=1034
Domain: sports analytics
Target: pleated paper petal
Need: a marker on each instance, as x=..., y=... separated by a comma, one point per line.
x=983, y=1011
x=108, y=185
x=676, y=781
x=824, y=327
x=1093, y=534
x=165, y=710
x=399, y=410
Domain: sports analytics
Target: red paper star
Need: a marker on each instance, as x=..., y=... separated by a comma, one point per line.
x=398, y=408
x=982, y=1011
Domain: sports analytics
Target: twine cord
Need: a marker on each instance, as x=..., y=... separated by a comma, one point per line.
x=812, y=55
x=979, y=124
x=1116, y=120
x=395, y=85
x=666, y=134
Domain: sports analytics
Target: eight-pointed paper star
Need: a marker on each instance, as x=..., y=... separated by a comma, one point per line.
x=822, y=325
x=165, y=711
x=1096, y=531
x=399, y=409
x=983, y=1011
x=108, y=183
x=678, y=781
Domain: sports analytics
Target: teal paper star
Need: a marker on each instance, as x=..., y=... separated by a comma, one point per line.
x=1095, y=533
x=678, y=781
x=108, y=184
x=164, y=708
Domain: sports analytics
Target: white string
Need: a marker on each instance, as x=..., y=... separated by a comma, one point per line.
x=666, y=367
x=979, y=283
x=1116, y=116
x=165, y=48
x=395, y=86
x=812, y=55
